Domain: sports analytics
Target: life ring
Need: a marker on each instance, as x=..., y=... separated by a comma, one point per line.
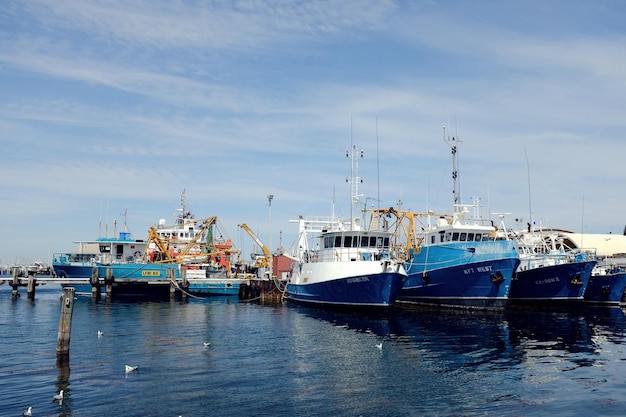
x=137, y=254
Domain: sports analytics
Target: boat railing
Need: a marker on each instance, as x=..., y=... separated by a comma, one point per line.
x=70, y=257
x=348, y=254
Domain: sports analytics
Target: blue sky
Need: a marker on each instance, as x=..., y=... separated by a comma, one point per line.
x=114, y=106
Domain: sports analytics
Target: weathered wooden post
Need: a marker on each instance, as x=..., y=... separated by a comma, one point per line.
x=65, y=325
x=15, y=272
x=108, y=282
x=171, y=276
x=184, y=284
x=32, y=284
x=96, y=290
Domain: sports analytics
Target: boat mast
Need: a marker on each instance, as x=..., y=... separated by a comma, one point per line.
x=183, y=207
x=456, y=184
x=354, y=179
x=530, y=208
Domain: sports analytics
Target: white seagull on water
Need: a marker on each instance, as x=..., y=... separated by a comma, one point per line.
x=100, y=333
x=28, y=413
x=130, y=368
x=380, y=345
x=58, y=397
x=207, y=344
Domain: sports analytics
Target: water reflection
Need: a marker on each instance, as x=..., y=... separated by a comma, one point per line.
x=496, y=340
x=608, y=325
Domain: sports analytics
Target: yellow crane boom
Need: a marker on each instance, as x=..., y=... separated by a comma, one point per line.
x=261, y=262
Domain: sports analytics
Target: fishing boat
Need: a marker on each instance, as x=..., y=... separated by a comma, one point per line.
x=78, y=264
x=106, y=250
x=339, y=264
x=166, y=258
x=208, y=280
x=192, y=268
x=453, y=260
x=606, y=285
x=550, y=274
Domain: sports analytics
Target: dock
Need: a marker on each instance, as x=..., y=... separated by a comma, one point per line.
x=250, y=289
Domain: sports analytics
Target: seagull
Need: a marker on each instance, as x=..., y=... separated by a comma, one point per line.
x=28, y=413
x=380, y=346
x=130, y=368
x=207, y=344
x=58, y=397
x=100, y=333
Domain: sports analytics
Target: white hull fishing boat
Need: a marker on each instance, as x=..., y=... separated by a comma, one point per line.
x=338, y=264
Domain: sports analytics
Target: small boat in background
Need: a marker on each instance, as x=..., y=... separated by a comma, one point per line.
x=340, y=265
x=606, y=285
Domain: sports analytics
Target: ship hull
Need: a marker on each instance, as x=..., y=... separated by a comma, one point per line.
x=461, y=275
x=606, y=289
x=560, y=285
x=349, y=284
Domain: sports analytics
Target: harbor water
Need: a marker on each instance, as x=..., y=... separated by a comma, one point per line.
x=285, y=360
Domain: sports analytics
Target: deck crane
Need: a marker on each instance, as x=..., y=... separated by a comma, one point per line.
x=262, y=261
x=165, y=255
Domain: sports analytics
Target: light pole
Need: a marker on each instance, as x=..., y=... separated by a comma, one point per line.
x=270, y=197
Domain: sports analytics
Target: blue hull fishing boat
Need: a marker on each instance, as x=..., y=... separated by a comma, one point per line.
x=338, y=264
x=454, y=260
x=550, y=274
x=560, y=285
x=457, y=263
x=162, y=278
x=474, y=275
x=80, y=264
x=606, y=286
x=184, y=255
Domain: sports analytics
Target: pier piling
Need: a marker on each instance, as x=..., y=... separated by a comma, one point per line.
x=171, y=276
x=15, y=294
x=65, y=325
x=96, y=290
x=108, y=282
x=32, y=284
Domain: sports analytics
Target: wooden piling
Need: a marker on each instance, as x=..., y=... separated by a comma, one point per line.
x=171, y=276
x=15, y=272
x=32, y=284
x=262, y=291
x=65, y=324
x=108, y=282
x=96, y=290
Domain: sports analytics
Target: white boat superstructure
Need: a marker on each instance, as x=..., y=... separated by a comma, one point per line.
x=340, y=264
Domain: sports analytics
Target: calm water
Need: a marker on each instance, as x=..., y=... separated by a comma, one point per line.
x=292, y=361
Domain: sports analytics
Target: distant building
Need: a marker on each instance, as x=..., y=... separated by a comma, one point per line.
x=606, y=245
x=282, y=266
